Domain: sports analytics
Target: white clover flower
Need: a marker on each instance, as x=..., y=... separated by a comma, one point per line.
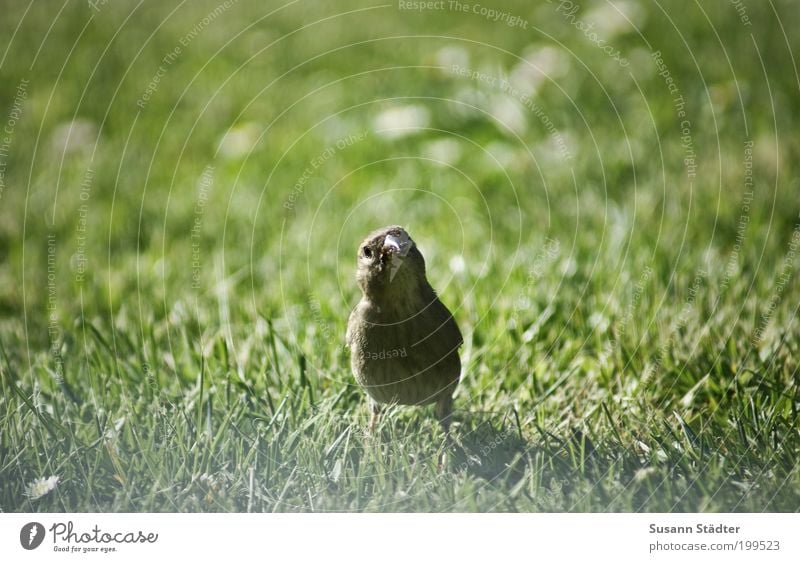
x=539, y=65
x=616, y=18
x=78, y=136
x=240, y=140
x=41, y=487
x=457, y=264
x=452, y=55
x=509, y=113
x=443, y=151
x=401, y=121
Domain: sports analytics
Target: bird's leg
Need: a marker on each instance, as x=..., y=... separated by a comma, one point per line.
x=375, y=411
x=444, y=411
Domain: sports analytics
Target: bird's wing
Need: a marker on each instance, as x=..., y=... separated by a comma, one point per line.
x=446, y=326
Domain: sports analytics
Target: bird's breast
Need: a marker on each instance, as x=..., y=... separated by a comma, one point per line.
x=397, y=358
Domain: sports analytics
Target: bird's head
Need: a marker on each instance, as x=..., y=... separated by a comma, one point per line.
x=389, y=263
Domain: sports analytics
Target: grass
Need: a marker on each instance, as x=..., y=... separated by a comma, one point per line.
x=630, y=323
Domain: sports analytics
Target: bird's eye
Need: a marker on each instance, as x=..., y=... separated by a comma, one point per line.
x=366, y=251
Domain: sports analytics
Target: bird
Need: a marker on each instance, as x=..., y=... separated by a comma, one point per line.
x=403, y=340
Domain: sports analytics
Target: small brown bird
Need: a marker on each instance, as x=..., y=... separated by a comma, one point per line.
x=403, y=340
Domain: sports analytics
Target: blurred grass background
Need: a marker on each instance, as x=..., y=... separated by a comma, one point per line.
x=184, y=186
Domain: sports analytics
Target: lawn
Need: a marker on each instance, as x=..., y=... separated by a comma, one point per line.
x=606, y=196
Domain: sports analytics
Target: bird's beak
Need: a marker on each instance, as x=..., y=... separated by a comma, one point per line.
x=399, y=245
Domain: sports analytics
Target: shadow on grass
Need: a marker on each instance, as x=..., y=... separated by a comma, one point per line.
x=493, y=451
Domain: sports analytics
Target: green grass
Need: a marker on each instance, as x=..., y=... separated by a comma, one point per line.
x=631, y=341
